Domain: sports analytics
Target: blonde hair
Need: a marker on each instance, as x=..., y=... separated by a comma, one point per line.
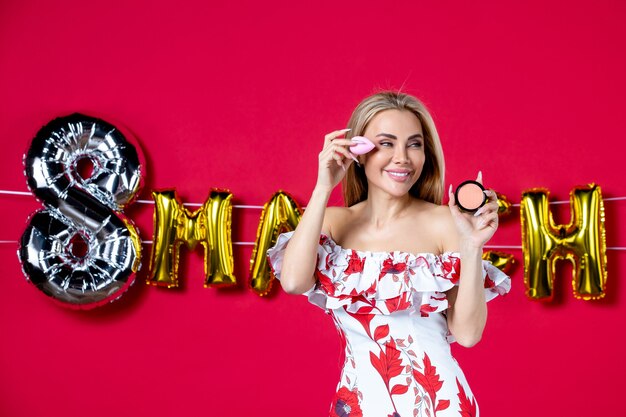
x=429, y=186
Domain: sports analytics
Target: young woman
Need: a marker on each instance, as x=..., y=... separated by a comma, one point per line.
x=387, y=267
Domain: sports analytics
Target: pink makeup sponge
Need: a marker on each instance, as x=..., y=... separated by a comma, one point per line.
x=362, y=145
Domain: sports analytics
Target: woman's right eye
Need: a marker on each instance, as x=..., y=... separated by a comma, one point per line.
x=385, y=144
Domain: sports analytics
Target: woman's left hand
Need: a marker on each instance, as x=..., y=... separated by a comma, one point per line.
x=477, y=228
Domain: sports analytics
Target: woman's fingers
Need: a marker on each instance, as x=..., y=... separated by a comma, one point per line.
x=489, y=212
x=339, y=160
x=491, y=195
x=341, y=141
x=454, y=209
x=487, y=208
x=333, y=135
x=333, y=142
x=341, y=150
x=451, y=200
x=335, y=151
x=488, y=219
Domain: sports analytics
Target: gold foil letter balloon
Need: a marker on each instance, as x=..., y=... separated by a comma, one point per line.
x=280, y=214
x=582, y=242
x=504, y=205
x=501, y=260
x=210, y=226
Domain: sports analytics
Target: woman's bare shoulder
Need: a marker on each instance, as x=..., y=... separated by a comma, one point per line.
x=438, y=221
x=444, y=222
x=440, y=217
x=335, y=217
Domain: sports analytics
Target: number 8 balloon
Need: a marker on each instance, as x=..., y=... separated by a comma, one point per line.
x=81, y=250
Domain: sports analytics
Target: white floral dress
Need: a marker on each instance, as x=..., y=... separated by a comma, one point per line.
x=389, y=309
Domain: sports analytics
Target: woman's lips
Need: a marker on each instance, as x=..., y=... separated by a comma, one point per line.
x=399, y=176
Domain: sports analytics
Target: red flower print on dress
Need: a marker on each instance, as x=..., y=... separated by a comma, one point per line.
x=399, y=303
x=422, y=262
x=327, y=284
x=388, y=364
x=451, y=268
x=381, y=332
x=364, y=319
x=346, y=404
x=468, y=408
x=426, y=309
x=429, y=380
x=489, y=283
x=390, y=268
x=373, y=298
x=355, y=264
x=329, y=262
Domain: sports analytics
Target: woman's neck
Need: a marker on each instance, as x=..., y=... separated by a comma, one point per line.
x=381, y=208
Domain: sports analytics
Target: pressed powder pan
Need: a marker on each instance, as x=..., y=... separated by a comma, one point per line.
x=470, y=196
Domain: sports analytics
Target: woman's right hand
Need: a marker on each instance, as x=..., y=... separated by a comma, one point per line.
x=334, y=159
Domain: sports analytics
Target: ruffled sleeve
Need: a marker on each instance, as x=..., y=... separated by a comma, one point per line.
x=275, y=257
x=384, y=282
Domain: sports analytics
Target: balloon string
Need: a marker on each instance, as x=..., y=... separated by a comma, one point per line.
x=145, y=242
x=567, y=201
x=150, y=242
x=237, y=206
x=240, y=206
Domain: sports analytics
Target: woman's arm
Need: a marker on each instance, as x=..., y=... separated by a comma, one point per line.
x=467, y=314
x=301, y=253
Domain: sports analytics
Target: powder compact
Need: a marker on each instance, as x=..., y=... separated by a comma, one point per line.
x=470, y=196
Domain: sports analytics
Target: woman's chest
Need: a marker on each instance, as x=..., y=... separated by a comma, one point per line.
x=406, y=237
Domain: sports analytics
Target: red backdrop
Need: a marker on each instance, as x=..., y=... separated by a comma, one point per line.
x=239, y=96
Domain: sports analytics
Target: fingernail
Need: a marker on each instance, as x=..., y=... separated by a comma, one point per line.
x=345, y=130
x=478, y=212
x=450, y=189
x=354, y=159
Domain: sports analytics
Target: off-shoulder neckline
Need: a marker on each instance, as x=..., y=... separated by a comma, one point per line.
x=387, y=253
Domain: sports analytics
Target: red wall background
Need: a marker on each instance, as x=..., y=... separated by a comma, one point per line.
x=238, y=96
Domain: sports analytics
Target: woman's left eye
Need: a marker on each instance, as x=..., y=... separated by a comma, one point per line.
x=415, y=145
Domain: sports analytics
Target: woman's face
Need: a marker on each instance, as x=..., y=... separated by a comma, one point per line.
x=397, y=162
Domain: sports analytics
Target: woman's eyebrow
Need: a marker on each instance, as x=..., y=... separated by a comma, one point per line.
x=390, y=136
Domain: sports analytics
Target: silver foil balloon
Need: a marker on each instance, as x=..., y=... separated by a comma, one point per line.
x=81, y=250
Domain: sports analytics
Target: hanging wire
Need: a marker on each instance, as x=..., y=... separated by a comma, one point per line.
x=253, y=207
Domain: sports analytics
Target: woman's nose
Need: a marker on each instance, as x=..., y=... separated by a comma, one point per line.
x=400, y=155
